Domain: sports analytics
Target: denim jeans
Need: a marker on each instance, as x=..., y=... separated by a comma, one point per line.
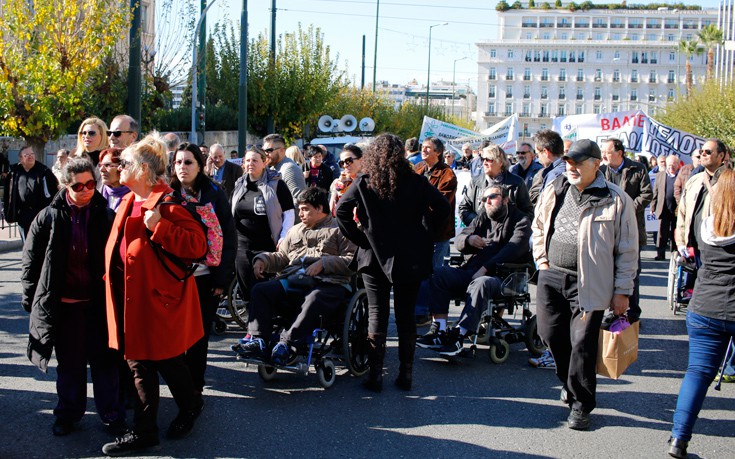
x=708, y=341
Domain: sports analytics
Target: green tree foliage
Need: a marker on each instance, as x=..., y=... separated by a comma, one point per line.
x=48, y=52
x=503, y=6
x=557, y=4
x=710, y=36
x=531, y=4
x=709, y=111
x=108, y=95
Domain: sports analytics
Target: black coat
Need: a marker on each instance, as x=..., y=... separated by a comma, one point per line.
x=45, y=257
x=41, y=190
x=472, y=196
x=230, y=174
x=396, y=235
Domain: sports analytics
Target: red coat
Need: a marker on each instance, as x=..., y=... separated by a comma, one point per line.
x=161, y=315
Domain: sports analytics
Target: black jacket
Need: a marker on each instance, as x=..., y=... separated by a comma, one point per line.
x=45, y=257
x=222, y=274
x=230, y=174
x=396, y=235
x=509, y=245
x=42, y=188
x=636, y=184
x=472, y=196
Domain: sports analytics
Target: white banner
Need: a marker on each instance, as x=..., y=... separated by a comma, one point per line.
x=504, y=133
x=638, y=132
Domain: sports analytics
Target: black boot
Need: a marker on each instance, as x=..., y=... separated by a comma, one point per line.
x=376, y=354
x=406, y=350
x=678, y=448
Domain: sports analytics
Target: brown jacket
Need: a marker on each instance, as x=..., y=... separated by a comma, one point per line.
x=444, y=180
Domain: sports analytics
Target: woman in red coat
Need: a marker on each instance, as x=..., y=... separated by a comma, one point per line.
x=152, y=316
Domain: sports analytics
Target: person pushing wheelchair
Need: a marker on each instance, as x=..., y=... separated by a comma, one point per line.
x=313, y=281
x=499, y=234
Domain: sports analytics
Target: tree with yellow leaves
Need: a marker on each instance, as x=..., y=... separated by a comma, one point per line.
x=47, y=50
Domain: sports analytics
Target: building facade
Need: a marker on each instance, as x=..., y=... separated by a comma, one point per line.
x=549, y=63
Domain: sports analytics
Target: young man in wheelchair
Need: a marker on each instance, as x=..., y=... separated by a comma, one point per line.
x=499, y=234
x=313, y=281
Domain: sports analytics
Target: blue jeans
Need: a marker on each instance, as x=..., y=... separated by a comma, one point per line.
x=708, y=341
x=441, y=250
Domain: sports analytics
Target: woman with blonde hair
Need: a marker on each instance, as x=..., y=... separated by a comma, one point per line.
x=711, y=311
x=297, y=156
x=91, y=139
x=153, y=313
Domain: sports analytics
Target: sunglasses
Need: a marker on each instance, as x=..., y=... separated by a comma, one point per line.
x=185, y=162
x=271, y=150
x=704, y=152
x=125, y=163
x=119, y=133
x=77, y=187
x=89, y=133
x=107, y=165
x=347, y=162
x=490, y=196
x=488, y=160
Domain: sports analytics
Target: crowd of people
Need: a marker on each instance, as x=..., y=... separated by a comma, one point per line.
x=131, y=241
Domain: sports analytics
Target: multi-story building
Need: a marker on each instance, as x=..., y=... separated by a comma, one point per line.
x=726, y=54
x=555, y=62
x=456, y=99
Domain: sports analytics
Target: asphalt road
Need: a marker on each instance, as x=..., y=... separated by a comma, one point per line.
x=471, y=409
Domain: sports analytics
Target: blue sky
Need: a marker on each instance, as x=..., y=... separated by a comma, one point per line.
x=403, y=32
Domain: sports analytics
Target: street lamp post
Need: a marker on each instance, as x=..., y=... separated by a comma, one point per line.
x=428, y=71
x=193, y=133
x=454, y=73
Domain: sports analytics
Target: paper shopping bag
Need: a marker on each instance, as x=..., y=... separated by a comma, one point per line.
x=617, y=351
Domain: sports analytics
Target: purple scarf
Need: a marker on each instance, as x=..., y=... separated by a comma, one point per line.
x=114, y=195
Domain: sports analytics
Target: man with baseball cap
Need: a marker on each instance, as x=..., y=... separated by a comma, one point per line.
x=585, y=243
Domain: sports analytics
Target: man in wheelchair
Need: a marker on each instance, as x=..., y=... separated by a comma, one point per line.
x=499, y=234
x=313, y=282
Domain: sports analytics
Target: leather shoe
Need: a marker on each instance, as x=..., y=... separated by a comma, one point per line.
x=659, y=258
x=62, y=427
x=578, y=420
x=678, y=448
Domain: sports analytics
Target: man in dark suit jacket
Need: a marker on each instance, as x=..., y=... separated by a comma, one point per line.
x=223, y=172
x=663, y=205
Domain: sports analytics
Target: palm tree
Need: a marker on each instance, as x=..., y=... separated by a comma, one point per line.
x=710, y=36
x=689, y=48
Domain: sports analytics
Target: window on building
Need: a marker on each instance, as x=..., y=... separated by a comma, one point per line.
x=493, y=53
x=580, y=74
x=598, y=74
x=615, y=108
x=616, y=55
x=555, y=56
x=635, y=23
x=596, y=109
x=562, y=93
x=634, y=57
x=528, y=56
x=526, y=74
x=598, y=55
x=652, y=78
x=615, y=96
x=526, y=111
x=644, y=57
x=562, y=74
x=564, y=36
x=652, y=95
x=508, y=109
x=617, y=23
x=544, y=92
x=634, y=76
x=635, y=37
x=672, y=56
x=615, y=36
x=509, y=73
x=546, y=36
x=616, y=76
x=544, y=74
x=563, y=56
x=537, y=56
x=527, y=92
x=654, y=57
x=633, y=94
x=578, y=109
x=572, y=56
x=561, y=110
x=510, y=54
x=670, y=37
x=492, y=75
x=580, y=56
x=491, y=91
x=670, y=95
x=544, y=110
x=491, y=109
x=508, y=91
x=598, y=93
x=580, y=93
x=545, y=57
x=672, y=77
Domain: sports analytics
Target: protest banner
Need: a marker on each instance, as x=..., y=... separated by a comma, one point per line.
x=504, y=133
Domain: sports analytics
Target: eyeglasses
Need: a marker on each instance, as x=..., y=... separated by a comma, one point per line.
x=89, y=133
x=77, y=187
x=119, y=133
x=522, y=152
x=696, y=157
x=124, y=163
x=271, y=150
x=107, y=165
x=704, y=152
x=185, y=162
x=348, y=161
x=28, y=155
x=490, y=196
x=488, y=160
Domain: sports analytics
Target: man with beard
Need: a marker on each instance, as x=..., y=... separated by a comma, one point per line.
x=499, y=234
x=274, y=146
x=526, y=165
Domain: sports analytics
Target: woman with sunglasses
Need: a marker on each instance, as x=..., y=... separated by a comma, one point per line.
x=153, y=316
x=63, y=266
x=91, y=139
x=111, y=188
x=264, y=212
x=395, y=248
x=192, y=184
x=318, y=173
x=350, y=160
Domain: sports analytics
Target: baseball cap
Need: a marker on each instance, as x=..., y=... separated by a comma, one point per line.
x=583, y=149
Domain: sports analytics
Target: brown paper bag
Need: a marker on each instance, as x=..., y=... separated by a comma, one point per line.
x=617, y=352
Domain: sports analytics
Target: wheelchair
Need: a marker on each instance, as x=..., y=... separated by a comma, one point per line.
x=233, y=307
x=494, y=329
x=340, y=340
x=681, y=278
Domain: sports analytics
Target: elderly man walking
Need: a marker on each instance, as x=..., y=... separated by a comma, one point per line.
x=585, y=243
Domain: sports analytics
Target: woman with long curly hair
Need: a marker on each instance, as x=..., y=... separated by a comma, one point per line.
x=393, y=206
x=711, y=311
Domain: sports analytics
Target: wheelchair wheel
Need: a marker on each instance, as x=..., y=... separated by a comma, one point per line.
x=354, y=334
x=530, y=336
x=237, y=305
x=219, y=326
x=499, y=351
x=326, y=373
x=266, y=372
x=671, y=287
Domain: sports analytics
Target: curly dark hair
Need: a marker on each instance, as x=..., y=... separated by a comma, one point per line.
x=386, y=165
